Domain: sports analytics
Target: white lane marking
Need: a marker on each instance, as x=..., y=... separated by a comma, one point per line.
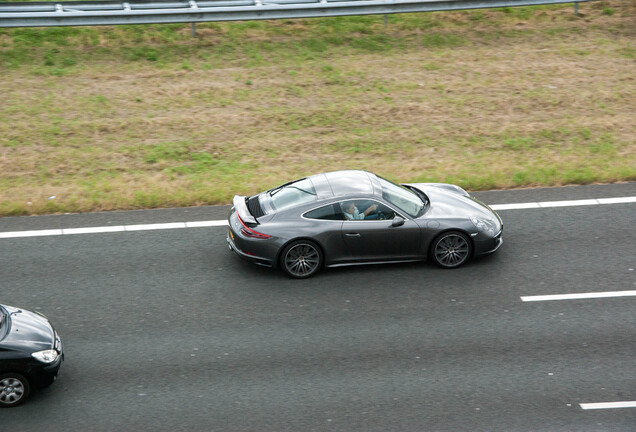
x=161, y=226
x=110, y=229
x=572, y=203
x=92, y=230
x=620, y=200
x=36, y=233
x=518, y=206
x=608, y=405
x=589, y=295
x=216, y=223
x=212, y=223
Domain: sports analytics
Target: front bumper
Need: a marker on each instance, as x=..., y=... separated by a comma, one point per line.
x=488, y=246
x=43, y=375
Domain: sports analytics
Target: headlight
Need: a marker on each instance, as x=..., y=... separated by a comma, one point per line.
x=46, y=356
x=483, y=224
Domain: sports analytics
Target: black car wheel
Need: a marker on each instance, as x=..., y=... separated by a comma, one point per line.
x=451, y=249
x=14, y=389
x=301, y=259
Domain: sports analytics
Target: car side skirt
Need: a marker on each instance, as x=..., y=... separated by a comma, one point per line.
x=373, y=262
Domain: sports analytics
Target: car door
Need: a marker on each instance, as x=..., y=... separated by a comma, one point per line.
x=327, y=223
x=378, y=238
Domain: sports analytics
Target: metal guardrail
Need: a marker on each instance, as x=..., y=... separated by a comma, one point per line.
x=79, y=13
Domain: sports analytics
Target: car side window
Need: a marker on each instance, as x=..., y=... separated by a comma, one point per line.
x=366, y=210
x=328, y=212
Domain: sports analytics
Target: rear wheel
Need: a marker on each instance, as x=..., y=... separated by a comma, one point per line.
x=14, y=389
x=301, y=259
x=451, y=249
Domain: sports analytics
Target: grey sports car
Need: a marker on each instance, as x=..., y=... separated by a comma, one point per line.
x=356, y=217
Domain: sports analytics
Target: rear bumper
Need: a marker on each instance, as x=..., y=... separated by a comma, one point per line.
x=247, y=256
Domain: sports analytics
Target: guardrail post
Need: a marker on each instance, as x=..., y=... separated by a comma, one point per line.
x=576, y=8
x=193, y=27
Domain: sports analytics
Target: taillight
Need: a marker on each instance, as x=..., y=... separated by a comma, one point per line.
x=249, y=232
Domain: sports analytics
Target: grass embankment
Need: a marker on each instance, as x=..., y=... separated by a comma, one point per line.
x=147, y=116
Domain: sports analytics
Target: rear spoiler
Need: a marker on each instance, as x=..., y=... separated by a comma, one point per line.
x=241, y=208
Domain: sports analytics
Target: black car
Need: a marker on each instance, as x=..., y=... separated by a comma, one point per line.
x=31, y=354
x=356, y=217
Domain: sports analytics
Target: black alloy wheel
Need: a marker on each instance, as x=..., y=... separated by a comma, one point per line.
x=451, y=249
x=301, y=259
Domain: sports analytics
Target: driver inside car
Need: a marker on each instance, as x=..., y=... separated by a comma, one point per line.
x=351, y=212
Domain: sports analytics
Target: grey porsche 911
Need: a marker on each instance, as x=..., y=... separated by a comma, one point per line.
x=356, y=217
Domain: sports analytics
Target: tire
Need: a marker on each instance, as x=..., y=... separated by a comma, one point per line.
x=14, y=389
x=451, y=249
x=301, y=259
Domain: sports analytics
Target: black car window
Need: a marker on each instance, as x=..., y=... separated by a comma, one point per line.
x=381, y=211
x=328, y=212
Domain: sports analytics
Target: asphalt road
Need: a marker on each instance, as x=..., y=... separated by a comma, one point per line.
x=168, y=330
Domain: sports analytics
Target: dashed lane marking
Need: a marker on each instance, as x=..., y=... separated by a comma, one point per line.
x=608, y=405
x=578, y=296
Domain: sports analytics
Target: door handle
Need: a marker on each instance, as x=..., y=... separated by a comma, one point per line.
x=352, y=234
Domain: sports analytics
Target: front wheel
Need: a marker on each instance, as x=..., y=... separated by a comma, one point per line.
x=301, y=259
x=14, y=389
x=451, y=249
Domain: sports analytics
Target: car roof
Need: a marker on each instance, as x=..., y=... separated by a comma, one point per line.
x=346, y=183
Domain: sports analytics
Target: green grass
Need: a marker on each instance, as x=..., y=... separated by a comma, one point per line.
x=146, y=116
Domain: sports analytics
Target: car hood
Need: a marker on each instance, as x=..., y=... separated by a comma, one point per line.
x=29, y=331
x=452, y=201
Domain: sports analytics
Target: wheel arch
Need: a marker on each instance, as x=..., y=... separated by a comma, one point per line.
x=28, y=386
x=446, y=230
x=277, y=264
x=23, y=373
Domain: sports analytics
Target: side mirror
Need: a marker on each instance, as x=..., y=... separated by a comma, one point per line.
x=397, y=221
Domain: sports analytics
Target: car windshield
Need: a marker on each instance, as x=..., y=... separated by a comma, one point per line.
x=402, y=198
x=292, y=194
x=4, y=322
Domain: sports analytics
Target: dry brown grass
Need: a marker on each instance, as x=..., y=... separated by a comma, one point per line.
x=511, y=102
